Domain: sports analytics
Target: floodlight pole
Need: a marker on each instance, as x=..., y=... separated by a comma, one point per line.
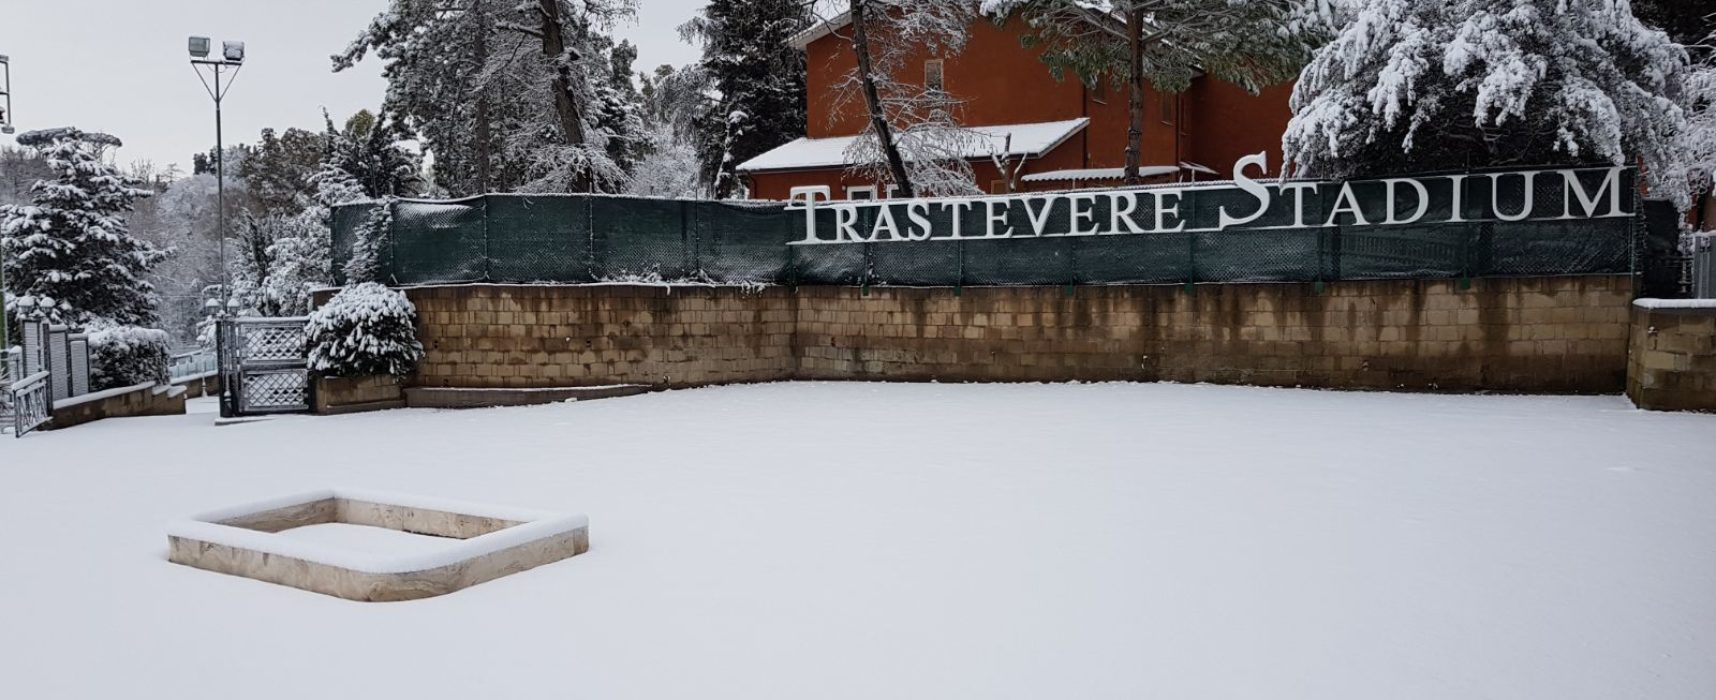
x=217, y=92
x=5, y=128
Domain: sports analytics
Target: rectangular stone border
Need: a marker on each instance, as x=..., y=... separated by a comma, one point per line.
x=495, y=541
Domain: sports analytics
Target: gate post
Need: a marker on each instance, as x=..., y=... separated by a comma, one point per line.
x=228, y=368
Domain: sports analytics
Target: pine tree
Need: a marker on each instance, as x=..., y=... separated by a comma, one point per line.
x=1139, y=44
x=439, y=81
x=1415, y=85
x=278, y=170
x=68, y=254
x=370, y=153
x=757, y=80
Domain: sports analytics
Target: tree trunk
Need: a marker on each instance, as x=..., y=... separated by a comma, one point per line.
x=1135, y=94
x=554, y=49
x=484, y=164
x=873, y=101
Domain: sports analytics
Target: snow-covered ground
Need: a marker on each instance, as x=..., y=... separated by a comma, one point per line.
x=909, y=541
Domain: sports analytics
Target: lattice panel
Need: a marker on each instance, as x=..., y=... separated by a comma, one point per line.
x=281, y=390
x=271, y=342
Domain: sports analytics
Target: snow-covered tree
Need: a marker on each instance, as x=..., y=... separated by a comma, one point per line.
x=911, y=136
x=675, y=98
x=278, y=259
x=507, y=94
x=370, y=150
x=668, y=169
x=20, y=168
x=755, y=83
x=68, y=253
x=1414, y=85
x=1137, y=44
x=437, y=65
x=1698, y=142
x=279, y=170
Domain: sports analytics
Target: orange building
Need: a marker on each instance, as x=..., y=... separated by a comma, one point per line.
x=1069, y=135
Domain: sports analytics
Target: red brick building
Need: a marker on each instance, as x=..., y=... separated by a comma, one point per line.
x=1070, y=135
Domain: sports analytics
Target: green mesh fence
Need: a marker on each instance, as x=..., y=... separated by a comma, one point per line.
x=579, y=238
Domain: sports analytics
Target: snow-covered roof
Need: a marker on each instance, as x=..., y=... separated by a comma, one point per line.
x=822, y=28
x=1100, y=173
x=1028, y=140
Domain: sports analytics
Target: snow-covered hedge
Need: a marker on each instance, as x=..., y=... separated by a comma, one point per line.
x=366, y=329
x=126, y=356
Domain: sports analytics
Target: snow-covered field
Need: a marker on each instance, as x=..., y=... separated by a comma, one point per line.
x=909, y=541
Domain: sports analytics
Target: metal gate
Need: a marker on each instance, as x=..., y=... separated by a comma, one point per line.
x=263, y=366
x=29, y=403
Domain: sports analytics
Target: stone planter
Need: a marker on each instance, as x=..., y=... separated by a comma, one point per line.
x=335, y=395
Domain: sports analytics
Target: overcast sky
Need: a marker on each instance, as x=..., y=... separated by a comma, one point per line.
x=120, y=66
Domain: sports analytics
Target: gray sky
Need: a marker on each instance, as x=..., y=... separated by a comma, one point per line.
x=120, y=66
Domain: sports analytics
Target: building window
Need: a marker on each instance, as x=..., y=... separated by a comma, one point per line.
x=865, y=192
x=893, y=191
x=1170, y=106
x=933, y=79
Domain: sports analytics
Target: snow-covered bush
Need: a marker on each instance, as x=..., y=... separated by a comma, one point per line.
x=126, y=356
x=366, y=329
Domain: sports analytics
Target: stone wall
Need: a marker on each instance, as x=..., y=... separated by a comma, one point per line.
x=142, y=400
x=1566, y=334
x=335, y=395
x=1560, y=334
x=1673, y=361
x=545, y=336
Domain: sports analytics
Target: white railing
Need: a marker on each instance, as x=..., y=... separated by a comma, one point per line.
x=192, y=364
x=1704, y=266
x=31, y=405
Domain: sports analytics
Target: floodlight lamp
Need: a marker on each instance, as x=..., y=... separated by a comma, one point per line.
x=4, y=59
x=8, y=130
x=199, y=47
x=233, y=51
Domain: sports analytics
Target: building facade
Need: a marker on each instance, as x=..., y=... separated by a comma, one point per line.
x=1067, y=134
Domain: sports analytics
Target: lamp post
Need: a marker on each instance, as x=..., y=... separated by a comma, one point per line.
x=231, y=57
x=5, y=128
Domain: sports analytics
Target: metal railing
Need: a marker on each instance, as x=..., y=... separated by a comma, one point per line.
x=192, y=364
x=1703, y=266
x=31, y=403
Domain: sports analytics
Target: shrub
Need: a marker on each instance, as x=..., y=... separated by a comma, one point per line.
x=126, y=356
x=366, y=329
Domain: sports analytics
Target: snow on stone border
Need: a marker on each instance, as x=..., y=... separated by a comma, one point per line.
x=534, y=525
x=1675, y=303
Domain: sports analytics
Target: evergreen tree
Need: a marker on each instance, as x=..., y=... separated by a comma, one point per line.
x=756, y=79
x=1688, y=22
x=437, y=57
x=68, y=254
x=1415, y=85
x=507, y=95
x=369, y=153
x=278, y=170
